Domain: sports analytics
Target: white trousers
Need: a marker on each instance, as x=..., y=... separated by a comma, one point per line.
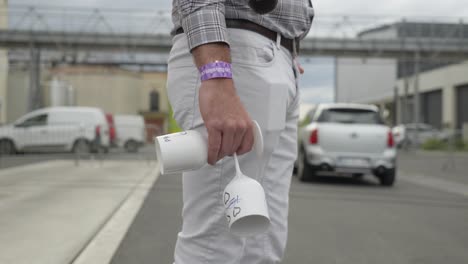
x=265, y=78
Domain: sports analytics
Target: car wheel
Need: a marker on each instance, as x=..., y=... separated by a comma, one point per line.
x=105, y=150
x=305, y=171
x=81, y=146
x=388, y=178
x=7, y=147
x=131, y=146
x=358, y=176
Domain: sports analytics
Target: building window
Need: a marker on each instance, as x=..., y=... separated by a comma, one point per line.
x=154, y=101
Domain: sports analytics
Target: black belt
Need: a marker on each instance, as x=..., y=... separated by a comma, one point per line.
x=270, y=34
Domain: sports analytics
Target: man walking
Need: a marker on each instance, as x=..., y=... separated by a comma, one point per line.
x=233, y=62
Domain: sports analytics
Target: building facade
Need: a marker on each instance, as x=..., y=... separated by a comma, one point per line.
x=3, y=64
x=113, y=89
x=443, y=96
x=441, y=83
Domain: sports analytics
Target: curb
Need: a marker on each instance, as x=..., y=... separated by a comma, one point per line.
x=102, y=246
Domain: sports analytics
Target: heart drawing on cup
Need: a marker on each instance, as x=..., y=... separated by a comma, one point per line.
x=236, y=211
x=227, y=196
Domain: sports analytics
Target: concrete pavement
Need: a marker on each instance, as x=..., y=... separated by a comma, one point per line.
x=50, y=212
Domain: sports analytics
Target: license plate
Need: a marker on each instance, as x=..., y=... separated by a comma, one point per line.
x=354, y=162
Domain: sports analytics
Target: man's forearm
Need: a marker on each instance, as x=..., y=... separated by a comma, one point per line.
x=207, y=53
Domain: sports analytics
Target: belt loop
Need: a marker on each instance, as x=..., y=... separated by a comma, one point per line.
x=278, y=40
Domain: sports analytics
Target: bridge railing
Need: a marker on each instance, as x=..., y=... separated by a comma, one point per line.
x=148, y=21
x=87, y=20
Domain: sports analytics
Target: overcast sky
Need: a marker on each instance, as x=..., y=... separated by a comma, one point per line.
x=317, y=83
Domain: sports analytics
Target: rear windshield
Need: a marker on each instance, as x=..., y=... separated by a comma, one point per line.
x=350, y=116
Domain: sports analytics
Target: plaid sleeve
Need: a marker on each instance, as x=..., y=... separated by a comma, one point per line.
x=203, y=21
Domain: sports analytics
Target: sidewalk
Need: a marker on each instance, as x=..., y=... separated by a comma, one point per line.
x=451, y=166
x=51, y=211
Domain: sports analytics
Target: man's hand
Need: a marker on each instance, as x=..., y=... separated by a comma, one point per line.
x=230, y=129
x=299, y=66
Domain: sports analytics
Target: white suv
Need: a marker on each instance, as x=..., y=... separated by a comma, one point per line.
x=346, y=138
x=77, y=129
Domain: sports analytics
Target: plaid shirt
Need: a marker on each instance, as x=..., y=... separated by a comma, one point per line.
x=204, y=20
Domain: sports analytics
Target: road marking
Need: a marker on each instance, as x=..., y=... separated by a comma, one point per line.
x=40, y=165
x=102, y=247
x=435, y=183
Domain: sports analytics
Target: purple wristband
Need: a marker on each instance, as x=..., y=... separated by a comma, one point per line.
x=217, y=69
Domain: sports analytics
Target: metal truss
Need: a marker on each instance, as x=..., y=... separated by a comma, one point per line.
x=136, y=31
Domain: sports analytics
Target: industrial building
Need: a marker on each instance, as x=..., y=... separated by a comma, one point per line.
x=33, y=77
x=441, y=85
x=114, y=89
x=3, y=64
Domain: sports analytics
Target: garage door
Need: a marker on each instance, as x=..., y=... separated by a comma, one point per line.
x=431, y=108
x=462, y=105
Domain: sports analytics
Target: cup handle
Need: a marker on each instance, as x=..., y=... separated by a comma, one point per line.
x=258, y=139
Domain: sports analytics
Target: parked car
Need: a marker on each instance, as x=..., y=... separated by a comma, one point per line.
x=76, y=129
x=405, y=135
x=346, y=138
x=130, y=131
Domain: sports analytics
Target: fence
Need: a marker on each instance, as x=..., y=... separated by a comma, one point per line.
x=158, y=22
x=432, y=140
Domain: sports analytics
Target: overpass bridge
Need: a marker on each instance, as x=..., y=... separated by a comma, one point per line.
x=310, y=46
x=147, y=31
x=75, y=30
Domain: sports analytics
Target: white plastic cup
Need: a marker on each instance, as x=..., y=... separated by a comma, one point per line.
x=188, y=150
x=244, y=198
x=246, y=207
x=183, y=151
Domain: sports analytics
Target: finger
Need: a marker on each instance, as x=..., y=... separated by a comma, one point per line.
x=247, y=142
x=214, y=145
x=299, y=67
x=238, y=137
x=301, y=70
x=226, y=145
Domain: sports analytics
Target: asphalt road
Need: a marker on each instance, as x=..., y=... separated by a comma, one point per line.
x=451, y=166
x=336, y=220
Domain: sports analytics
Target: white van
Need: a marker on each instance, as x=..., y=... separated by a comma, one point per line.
x=76, y=129
x=130, y=130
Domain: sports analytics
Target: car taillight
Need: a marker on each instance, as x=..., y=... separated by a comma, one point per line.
x=98, y=131
x=390, y=140
x=314, y=137
x=112, y=133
